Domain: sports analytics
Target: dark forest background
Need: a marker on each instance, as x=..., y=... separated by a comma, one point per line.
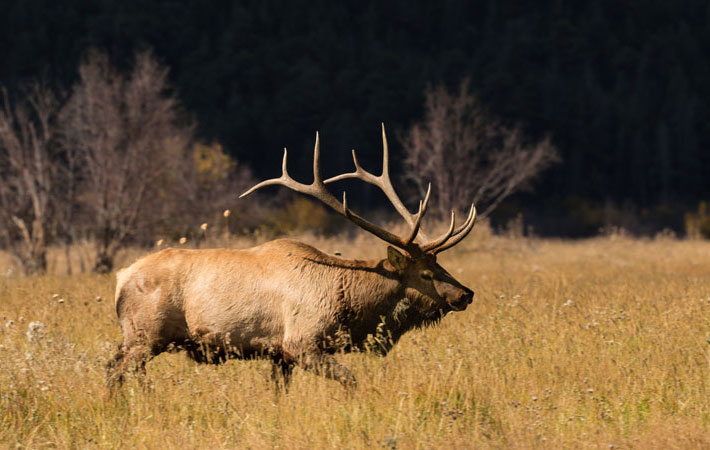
x=621, y=87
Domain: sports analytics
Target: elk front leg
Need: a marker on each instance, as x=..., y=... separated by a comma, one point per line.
x=327, y=366
x=281, y=370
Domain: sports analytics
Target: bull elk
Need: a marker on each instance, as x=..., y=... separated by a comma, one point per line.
x=285, y=300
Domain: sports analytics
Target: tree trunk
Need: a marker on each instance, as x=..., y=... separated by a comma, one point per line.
x=104, y=262
x=67, y=257
x=34, y=262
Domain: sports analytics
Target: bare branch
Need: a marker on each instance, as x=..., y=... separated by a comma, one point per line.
x=468, y=155
x=28, y=174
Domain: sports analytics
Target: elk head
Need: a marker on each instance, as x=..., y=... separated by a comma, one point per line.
x=428, y=285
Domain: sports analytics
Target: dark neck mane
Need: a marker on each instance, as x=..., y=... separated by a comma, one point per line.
x=379, y=312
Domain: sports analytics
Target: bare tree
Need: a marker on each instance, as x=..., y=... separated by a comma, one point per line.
x=69, y=216
x=28, y=175
x=133, y=149
x=467, y=154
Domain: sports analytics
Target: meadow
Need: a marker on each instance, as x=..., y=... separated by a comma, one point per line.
x=599, y=343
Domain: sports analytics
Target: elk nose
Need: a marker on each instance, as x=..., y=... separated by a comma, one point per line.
x=467, y=297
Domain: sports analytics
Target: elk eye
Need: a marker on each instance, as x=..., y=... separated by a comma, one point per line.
x=427, y=274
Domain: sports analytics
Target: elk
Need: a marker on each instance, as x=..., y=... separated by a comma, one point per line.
x=285, y=300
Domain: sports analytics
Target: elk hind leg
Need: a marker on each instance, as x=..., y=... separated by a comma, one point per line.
x=132, y=359
x=115, y=369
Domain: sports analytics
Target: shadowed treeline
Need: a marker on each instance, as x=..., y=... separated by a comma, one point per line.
x=621, y=87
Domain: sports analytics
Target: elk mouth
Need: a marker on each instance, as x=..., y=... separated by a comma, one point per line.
x=457, y=306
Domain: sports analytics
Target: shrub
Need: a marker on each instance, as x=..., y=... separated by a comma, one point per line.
x=697, y=225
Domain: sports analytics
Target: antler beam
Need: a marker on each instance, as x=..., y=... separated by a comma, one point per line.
x=318, y=190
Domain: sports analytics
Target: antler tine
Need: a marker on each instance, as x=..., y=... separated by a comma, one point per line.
x=415, y=228
x=418, y=218
x=431, y=245
x=471, y=216
x=460, y=233
x=385, y=155
x=317, y=180
x=383, y=182
x=315, y=189
x=284, y=178
x=359, y=173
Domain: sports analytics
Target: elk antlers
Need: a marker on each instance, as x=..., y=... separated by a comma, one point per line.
x=318, y=190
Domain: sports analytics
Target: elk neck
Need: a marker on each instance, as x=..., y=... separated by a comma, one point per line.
x=374, y=297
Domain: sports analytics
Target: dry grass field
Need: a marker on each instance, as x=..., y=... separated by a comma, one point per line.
x=603, y=343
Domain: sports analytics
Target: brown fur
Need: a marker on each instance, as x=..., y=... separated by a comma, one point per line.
x=282, y=300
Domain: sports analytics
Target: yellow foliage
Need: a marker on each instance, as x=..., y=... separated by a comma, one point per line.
x=697, y=225
x=212, y=164
x=302, y=214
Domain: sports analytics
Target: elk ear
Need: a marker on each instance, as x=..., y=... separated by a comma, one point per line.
x=398, y=260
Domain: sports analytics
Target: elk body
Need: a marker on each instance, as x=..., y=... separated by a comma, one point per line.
x=285, y=300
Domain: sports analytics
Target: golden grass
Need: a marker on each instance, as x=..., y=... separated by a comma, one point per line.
x=593, y=344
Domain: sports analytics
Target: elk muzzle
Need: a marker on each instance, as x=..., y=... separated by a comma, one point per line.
x=457, y=297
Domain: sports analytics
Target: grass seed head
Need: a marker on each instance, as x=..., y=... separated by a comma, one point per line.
x=35, y=330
